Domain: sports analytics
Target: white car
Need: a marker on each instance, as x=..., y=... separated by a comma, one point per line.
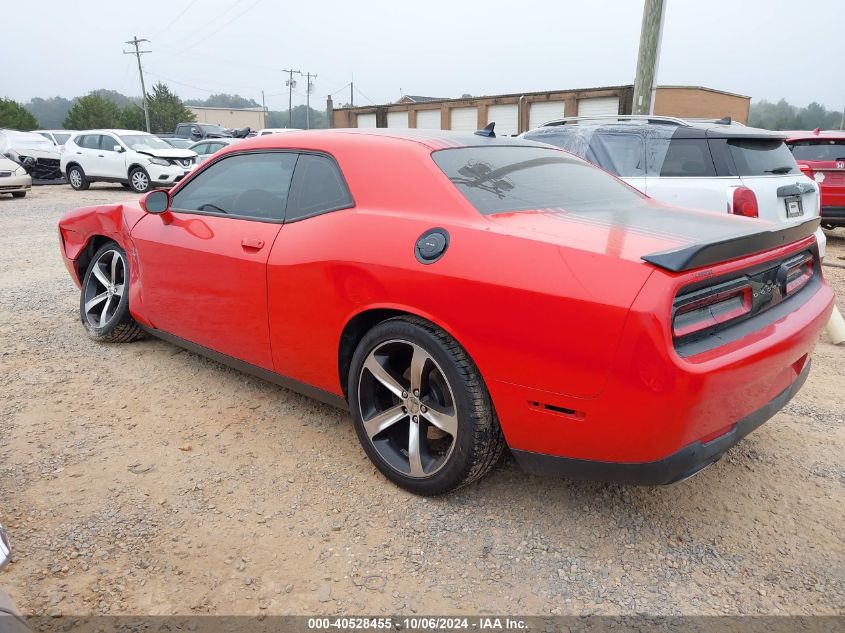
x=704, y=164
x=137, y=160
x=38, y=156
x=57, y=137
x=209, y=146
x=13, y=178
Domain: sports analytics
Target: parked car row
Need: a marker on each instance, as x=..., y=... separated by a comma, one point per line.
x=704, y=164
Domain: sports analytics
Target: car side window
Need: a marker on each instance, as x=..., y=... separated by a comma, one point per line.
x=253, y=185
x=619, y=153
x=318, y=187
x=201, y=149
x=107, y=143
x=91, y=141
x=688, y=157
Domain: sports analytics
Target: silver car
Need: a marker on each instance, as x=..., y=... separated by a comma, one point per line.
x=209, y=146
x=13, y=178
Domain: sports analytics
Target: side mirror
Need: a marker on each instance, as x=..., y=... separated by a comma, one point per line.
x=5, y=548
x=157, y=202
x=118, y=148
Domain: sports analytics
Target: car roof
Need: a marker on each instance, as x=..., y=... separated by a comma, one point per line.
x=814, y=135
x=689, y=128
x=431, y=139
x=113, y=131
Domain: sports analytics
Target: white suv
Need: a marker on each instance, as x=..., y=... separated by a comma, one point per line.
x=704, y=164
x=137, y=160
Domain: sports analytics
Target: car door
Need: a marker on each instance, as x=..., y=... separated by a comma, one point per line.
x=111, y=163
x=203, y=276
x=87, y=148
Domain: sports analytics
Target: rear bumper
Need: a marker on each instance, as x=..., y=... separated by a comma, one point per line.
x=833, y=215
x=676, y=467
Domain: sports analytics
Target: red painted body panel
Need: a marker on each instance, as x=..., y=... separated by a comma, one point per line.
x=553, y=310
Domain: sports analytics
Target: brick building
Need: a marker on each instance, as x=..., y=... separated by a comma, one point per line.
x=516, y=113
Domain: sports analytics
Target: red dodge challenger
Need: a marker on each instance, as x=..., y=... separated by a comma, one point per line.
x=461, y=293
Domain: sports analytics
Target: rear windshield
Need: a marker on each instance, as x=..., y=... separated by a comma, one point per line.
x=827, y=149
x=501, y=179
x=762, y=157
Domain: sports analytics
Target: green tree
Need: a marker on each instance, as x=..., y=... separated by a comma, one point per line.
x=132, y=117
x=15, y=116
x=166, y=110
x=93, y=111
x=785, y=116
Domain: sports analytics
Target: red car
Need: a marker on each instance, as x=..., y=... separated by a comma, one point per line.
x=821, y=156
x=461, y=293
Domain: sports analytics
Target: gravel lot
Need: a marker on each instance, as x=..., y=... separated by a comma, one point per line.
x=143, y=479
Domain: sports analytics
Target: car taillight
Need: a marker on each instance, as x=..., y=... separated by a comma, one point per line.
x=744, y=202
x=806, y=170
x=796, y=273
x=709, y=307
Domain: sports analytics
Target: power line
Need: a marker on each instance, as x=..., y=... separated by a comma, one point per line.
x=215, y=32
x=137, y=53
x=176, y=19
x=198, y=31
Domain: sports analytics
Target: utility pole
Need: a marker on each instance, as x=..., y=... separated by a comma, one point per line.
x=264, y=110
x=842, y=120
x=308, y=99
x=649, y=56
x=352, y=92
x=290, y=83
x=137, y=53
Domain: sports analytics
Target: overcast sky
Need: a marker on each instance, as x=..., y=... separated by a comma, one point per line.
x=766, y=49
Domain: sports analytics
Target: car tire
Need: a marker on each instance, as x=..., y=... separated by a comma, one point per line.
x=77, y=179
x=104, y=300
x=139, y=180
x=444, y=435
x=19, y=194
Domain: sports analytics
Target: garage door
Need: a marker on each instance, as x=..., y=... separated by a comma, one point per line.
x=545, y=111
x=506, y=118
x=428, y=119
x=600, y=106
x=366, y=120
x=397, y=119
x=464, y=119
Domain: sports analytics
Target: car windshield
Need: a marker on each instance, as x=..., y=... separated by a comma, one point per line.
x=762, y=157
x=512, y=178
x=827, y=149
x=213, y=129
x=144, y=142
x=20, y=140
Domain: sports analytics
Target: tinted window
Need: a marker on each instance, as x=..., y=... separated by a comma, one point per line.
x=828, y=149
x=91, y=141
x=317, y=187
x=502, y=179
x=249, y=185
x=688, y=157
x=107, y=143
x=61, y=139
x=620, y=154
x=762, y=157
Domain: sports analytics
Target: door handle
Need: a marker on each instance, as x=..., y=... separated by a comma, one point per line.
x=101, y=155
x=80, y=153
x=253, y=243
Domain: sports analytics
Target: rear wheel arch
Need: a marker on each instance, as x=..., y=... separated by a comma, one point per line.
x=357, y=327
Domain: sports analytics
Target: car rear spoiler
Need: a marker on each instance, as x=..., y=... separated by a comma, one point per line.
x=708, y=253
